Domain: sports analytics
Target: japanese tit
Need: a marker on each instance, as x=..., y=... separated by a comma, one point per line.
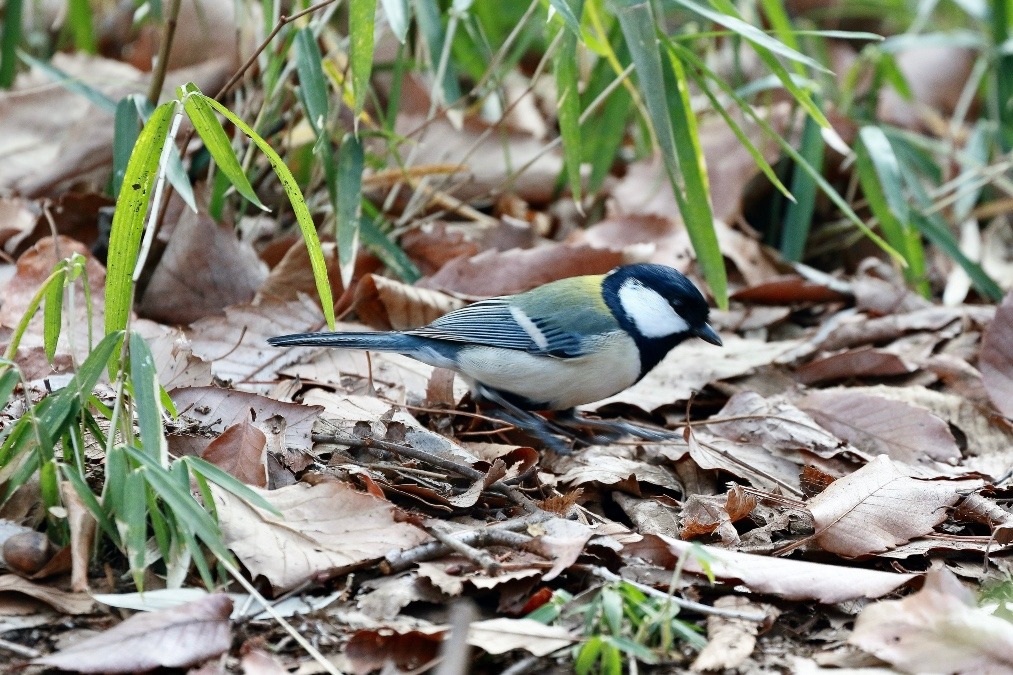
x=558, y=346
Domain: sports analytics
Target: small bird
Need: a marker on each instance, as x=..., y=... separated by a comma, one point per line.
x=555, y=347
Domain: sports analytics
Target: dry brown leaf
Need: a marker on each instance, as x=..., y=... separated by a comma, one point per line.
x=980, y=509
x=939, y=629
x=82, y=536
x=386, y=304
x=705, y=514
x=561, y=541
x=693, y=365
x=774, y=424
x=492, y=273
x=789, y=579
x=877, y=508
x=729, y=641
x=204, y=269
x=996, y=360
x=236, y=344
x=370, y=650
x=217, y=409
x=173, y=638
x=601, y=465
x=67, y=603
x=260, y=662
x=175, y=362
x=450, y=574
x=878, y=426
x=325, y=529
x=498, y=636
x=860, y=362
x=937, y=75
x=752, y=462
x=241, y=450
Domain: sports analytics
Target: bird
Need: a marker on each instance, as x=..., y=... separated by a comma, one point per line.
x=558, y=346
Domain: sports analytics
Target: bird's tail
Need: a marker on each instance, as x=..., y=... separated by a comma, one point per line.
x=376, y=342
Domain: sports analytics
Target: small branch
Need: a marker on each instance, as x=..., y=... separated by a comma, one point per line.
x=499, y=487
x=688, y=605
x=162, y=61
x=20, y=650
x=477, y=556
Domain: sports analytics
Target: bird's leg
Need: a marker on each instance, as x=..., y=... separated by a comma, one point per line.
x=533, y=423
x=612, y=429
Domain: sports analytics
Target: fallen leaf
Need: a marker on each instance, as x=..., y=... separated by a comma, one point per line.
x=881, y=426
x=260, y=662
x=996, y=360
x=371, y=650
x=452, y=574
x=789, y=579
x=498, y=636
x=172, y=638
x=860, y=362
x=705, y=514
x=729, y=641
x=877, y=508
x=204, y=269
x=939, y=629
x=775, y=424
x=693, y=365
x=67, y=603
x=325, y=529
x=561, y=541
x=241, y=450
x=386, y=304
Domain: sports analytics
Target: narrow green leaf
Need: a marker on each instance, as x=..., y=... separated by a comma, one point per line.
x=79, y=18
x=798, y=216
x=8, y=381
x=695, y=205
x=68, y=400
x=362, y=25
x=90, y=502
x=612, y=609
x=134, y=525
x=52, y=314
x=128, y=220
x=302, y=212
x=428, y=16
x=148, y=400
x=571, y=11
x=398, y=17
x=217, y=142
x=350, y=166
x=10, y=37
x=588, y=655
x=227, y=481
x=70, y=83
x=568, y=106
x=127, y=125
x=380, y=245
x=313, y=88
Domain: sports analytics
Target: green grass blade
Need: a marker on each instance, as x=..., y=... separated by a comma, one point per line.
x=133, y=523
x=695, y=204
x=217, y=142
x=69, y=83
x=127, y=125
x=10, y=37
x=302, y=212
x=79, y=18
x=90, y=502
x=8, y=381
x=52, y=314
x=798, y=216
x=349, y=211
x=313, y=87
x=128, y=220
x=427, y=14
x=570, y=11
x=380, y=245
x=362, y=24
x=227, y=481
x=148, y=399
x=1001, y=22
x=568, y=105
x=398, y=17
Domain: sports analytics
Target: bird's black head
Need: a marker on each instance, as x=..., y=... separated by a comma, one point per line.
x=659, y=307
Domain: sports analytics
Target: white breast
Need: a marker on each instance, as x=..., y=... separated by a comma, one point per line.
x=562, y=383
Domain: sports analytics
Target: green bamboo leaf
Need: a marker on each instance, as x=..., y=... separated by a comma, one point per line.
x=798, y=216
x=79, y=18
x=68, y=82
x=128, y=220
x=571, y=11
x=302, y=212
x=52, y=314
x=148, y=400
x=8, y=381
x=362, y=25
x=227, y=481
x=90, y=502
x=568, y=105
x=427, y=14
x=133, y=525
x=398, y=17
x=350, y=165
x=380, y=245
x=10, y=37
x=206, y=123
x=126, y=127
x=312, y=85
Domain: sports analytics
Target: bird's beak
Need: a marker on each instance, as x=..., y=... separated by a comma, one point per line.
x=708, y=334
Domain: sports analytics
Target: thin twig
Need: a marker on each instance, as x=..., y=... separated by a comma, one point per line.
x=162, y=62
x=688, y=605
x=475, y=555
x=20, y=650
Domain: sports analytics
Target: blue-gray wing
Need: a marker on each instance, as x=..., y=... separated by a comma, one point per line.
x=496, y=323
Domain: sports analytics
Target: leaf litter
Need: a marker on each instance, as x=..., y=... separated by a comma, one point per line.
x=842, y=463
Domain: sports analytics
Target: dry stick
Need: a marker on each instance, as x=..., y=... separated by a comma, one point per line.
x=162, y=64
x=477, y=556
x=20, y=650
x=345, y=438
x=688, y=605
x=500, y=533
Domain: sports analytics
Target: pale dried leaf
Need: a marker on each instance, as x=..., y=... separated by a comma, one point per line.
x=693, y=365
x=729, y=641
x=754, y=463
x=776, y=425
x=386, y=304
x=789, y=579
x=880, y=426
x=67, y=603
x=938, y=629
x=327, y=528
x=173, y=638
x=498, y=636
x=877, y=508
x=450, y=574
x=561, y=541
x=996, y=361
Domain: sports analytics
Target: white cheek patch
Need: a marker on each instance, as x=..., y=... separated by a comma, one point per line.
x=649, y=311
